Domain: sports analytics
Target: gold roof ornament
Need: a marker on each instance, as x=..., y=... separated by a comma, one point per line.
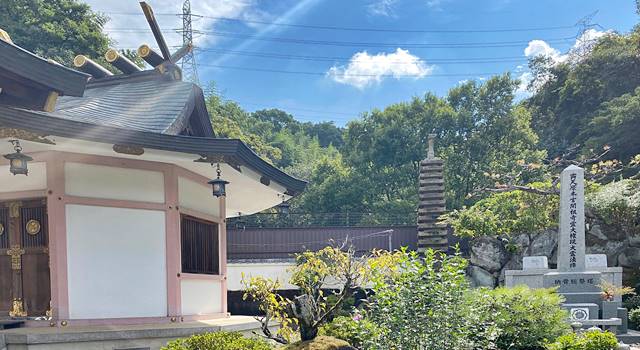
x=4, y=36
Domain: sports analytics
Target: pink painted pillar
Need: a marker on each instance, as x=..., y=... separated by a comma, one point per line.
x=57, y=236
x=172, y=217
x=223, y=252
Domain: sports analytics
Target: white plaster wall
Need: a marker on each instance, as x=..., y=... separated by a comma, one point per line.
x=197, y=197
x=116, y=262
x=275, y=271
x=200, y=296
x=99, y=181
x=36, y=180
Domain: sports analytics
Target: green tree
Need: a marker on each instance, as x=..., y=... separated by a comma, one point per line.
x=55, y=29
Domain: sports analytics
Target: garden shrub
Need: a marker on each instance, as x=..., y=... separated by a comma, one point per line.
x=356, y=330
x=525, y=318
x=633, y=302
x=590, y=340
x=218, y=341
x=634, y=317
x=321, y=342
x=418, y=303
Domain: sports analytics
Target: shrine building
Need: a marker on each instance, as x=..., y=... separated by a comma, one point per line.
x=114, y=191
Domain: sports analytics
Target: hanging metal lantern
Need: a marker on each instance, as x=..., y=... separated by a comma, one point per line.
x=18, y=161
x=219, y=185
x=284, y=207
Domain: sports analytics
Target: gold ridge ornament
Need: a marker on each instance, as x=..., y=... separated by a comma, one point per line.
x=33, y=227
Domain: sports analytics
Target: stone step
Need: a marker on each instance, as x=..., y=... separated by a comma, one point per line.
x=431, y=182
x=431, y=196
x=431, y=161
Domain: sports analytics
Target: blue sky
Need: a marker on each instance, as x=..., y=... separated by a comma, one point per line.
x=407, y=49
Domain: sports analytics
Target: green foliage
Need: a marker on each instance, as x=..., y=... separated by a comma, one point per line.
x=353, y=329
x=590, y=340
x=634, y=317
x=506, y=213
x=55, y=29
x=618, y=204
x=419, y=302
x=320, y=343
x=526, y=318
x=632, y=303
x=218, y=341
x=576, y=99
x=306, y=313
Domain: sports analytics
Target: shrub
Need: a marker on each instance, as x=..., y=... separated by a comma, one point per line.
x=218, y=341
x=525, y=318
x=634, y=317
x=590, y=340
x=633, y=302
x=321, y=343
x=355, y=330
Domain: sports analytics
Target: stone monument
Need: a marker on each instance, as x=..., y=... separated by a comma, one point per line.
x=578, y=276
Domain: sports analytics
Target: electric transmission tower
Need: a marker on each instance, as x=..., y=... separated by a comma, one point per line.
x=189, y=66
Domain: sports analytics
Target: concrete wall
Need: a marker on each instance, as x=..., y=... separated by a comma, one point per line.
x=273, y=270
x=116, y=262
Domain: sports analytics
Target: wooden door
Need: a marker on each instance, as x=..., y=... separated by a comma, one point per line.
x=24, y=259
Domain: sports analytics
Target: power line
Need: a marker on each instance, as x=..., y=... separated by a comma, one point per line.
x=493, y=44
x=266, y=70
x=364, y=29
x=351, y=59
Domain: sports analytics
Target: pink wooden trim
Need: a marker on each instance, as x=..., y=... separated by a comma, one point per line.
x=172, y=230
x=118, y=203
x=125, y=321
x=197, y=276
x=200, y=215
x=223, y=252
x=57, y=237
x=7, y=196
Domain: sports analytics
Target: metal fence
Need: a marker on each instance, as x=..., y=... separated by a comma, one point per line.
x=345, y=219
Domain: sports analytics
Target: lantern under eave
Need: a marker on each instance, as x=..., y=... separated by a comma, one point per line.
x=18, y=162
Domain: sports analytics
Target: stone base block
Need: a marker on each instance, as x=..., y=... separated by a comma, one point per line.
x=582, y=311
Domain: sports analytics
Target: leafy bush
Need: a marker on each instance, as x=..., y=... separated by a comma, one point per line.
x=590, y=340
x=321, y=343
x=633, y=302
x=355, y=330
x=506, y=213
x=218, y=341
x=525, y=318
x=634, y=317
x=618, y=204
x=419, y=303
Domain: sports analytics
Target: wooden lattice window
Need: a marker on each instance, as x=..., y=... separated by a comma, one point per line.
x=199, y=246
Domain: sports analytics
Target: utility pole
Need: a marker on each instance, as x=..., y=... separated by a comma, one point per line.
x=189, y=66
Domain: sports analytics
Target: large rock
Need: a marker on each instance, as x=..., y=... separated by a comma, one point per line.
x=488, y=253
x=543, y=244
x=481, y=277
x=630, y=257
x=611, y=248
x=634, y=240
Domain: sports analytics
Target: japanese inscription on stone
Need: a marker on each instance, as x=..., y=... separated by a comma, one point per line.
x=571, y=254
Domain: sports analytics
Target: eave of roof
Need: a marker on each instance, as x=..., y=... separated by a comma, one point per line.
x=19, y=61
x=45, y=123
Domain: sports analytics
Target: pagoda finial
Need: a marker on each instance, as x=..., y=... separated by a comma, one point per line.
x=430, y=151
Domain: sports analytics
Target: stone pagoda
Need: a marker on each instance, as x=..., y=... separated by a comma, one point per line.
x=432, y=203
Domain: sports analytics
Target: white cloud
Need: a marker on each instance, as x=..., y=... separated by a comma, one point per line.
x=542, y=48
x=382, y=8
x=525, y=78
x=168, y=24
x=365, y=69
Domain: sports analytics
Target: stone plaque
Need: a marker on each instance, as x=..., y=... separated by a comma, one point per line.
x=573, y=282
x=571, y=244
x=534, y=263
x=595, y=261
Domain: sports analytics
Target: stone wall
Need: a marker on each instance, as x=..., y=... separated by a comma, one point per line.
x=491, y=256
